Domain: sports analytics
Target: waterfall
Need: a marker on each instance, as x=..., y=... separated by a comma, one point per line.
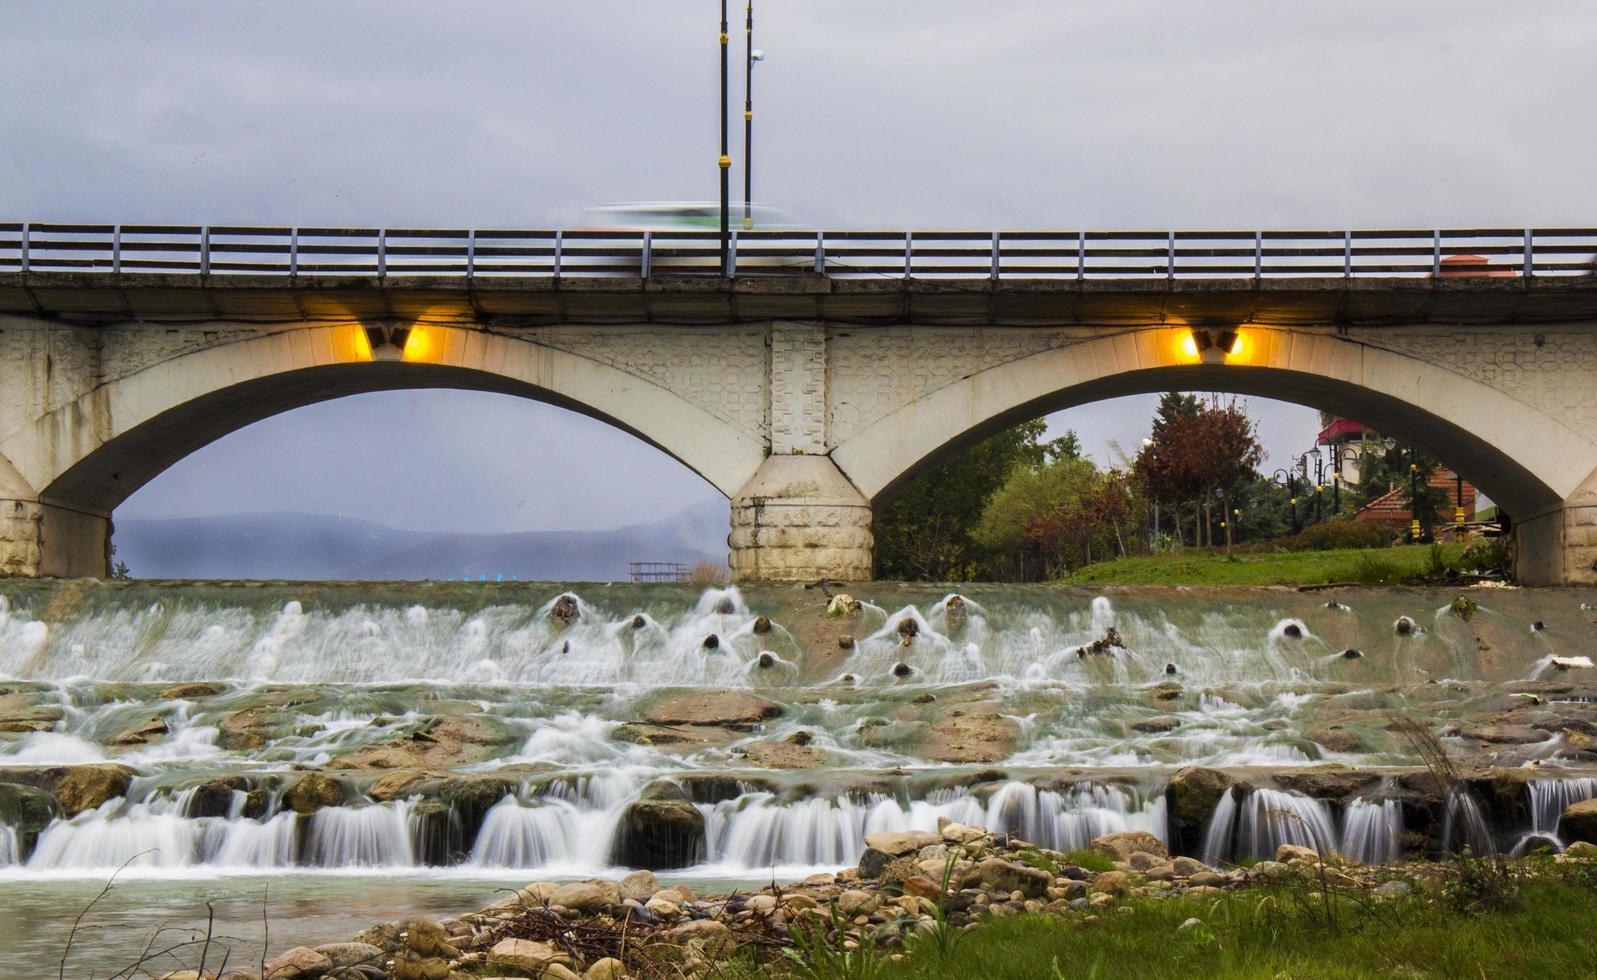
x=1272, y=818
x=10, y=847
x=1222, y=824
x=546, y=832
x=1550, y=797
x=376, y=836
x=1372, y=831
x=1070, y=820
x=1464, y=825
x=756, y=831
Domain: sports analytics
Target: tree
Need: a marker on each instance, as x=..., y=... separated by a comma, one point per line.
x=1193, y=456
x=925, y=532
x=1398, y=468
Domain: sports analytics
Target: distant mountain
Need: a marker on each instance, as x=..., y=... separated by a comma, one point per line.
x=315, y=546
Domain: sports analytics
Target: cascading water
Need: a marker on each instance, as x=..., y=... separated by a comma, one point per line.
x=536, y=681
x=1465, y=825
x=1372, y=831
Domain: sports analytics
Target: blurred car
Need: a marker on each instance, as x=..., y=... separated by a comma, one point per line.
x=667, y=220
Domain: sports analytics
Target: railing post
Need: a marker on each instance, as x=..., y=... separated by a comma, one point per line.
x=732, y=255
x=205, y=250
x=1081, y=255
x=382, y=252
x=1436, y=254
x=293, y=254
x=1347, y=254
x=820, y=253
x=560, y=246
x=116, y=250
x=648, y=242
x=1258, y=255
x=1170, y=257
x=471, y=254
x=909, y=252
x=27, y=227
x=1530, y=255
x=996, y=257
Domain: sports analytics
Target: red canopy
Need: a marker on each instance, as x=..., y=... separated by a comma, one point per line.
x=1339, y=431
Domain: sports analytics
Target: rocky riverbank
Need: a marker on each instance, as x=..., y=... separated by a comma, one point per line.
x=909, y=887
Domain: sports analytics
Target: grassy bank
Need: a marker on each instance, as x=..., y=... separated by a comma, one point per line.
x=1282, y=933
x=1369, y=566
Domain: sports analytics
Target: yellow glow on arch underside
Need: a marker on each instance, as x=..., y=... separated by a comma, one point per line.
x=353, y=344
x=420, y=344
x=1204, y=345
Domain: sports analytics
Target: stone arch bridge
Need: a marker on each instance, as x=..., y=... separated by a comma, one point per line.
x=806, y=399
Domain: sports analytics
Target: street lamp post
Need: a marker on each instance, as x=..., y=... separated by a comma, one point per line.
x=751, y=55
x=725, y=162
x=1343, y=454
x=1458, y=498
x=1287, y=478
x=1414, y=531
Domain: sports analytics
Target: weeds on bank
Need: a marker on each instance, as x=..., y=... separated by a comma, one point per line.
x=1478, y=881
x=821, y=956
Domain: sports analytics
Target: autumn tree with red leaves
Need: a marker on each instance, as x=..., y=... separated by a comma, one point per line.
x=1198, y=454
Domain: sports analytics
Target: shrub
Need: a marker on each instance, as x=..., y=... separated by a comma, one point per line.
x=1333, y=535
x=1489, y=556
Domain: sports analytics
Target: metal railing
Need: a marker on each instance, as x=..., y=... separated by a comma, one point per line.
x=658, y=571
x=221, y=250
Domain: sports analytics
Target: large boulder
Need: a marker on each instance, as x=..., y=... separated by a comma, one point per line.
x=251, y=728
x=80, y=788
x=976, y=733
x=724, y=709
x=1121, y=846
x=441, y=742
x=26, y=810
x=1194, y=793
x=20, y=713
x=299, y=963
x=314, y=791
x=1335, y=783
x=141, y=732
x=214, y=797
x=783, y=755
x=1005, y=877
x=526, y=956
x=661, y=829
x=639, y=885
x=1579, y=822
x=896, y=843
x=346, y=955
x=592, y=896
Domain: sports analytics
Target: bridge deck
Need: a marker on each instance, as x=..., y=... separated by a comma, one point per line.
x=102, y=297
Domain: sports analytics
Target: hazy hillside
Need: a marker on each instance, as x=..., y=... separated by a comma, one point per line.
x=313, y=546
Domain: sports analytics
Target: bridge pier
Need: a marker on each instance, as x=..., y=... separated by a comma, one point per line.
x=40, y=539
x=1558, y=547
x=799, y=519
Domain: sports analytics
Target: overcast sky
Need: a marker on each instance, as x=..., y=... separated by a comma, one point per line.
x=895, y=113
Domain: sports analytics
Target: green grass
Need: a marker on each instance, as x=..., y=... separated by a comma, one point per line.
x=1257, y=935
x=1369, y=566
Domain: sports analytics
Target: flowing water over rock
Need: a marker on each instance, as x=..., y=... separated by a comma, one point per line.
x=231, y=730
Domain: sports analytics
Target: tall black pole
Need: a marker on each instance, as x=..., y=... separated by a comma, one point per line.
x=725, y=161
x=1413, y=496
x=748, y=120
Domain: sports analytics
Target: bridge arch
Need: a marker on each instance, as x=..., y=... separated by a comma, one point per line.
x=1527, y=461
x=85, y=455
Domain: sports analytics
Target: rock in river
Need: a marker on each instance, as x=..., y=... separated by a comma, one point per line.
x=726, y=709
x=661, y=829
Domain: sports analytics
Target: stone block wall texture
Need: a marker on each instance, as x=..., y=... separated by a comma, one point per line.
x=799, y=388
